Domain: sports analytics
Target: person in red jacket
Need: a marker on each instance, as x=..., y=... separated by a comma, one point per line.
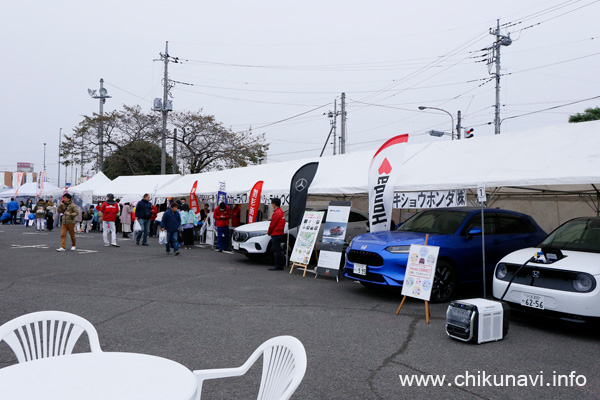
x=222, y=215
x=109, y=210
x=276, y=231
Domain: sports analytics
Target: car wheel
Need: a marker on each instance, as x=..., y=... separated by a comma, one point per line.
x=444, y=282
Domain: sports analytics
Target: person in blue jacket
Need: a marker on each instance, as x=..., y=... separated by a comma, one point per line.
x=13, y=207
x=171, y=220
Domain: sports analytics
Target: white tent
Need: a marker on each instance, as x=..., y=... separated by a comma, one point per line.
x=29, y=189
x=132, y=188
x=95, y=182
x=566, y=154
x=556, y=155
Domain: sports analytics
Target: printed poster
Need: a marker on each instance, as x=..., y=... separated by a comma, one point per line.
x=334, y=237
x=307, y=237
x=420, y=271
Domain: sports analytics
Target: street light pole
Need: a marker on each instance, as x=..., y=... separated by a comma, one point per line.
x=439, y=109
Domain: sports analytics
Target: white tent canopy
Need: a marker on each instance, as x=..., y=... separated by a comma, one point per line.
x=95, y=182
x=132, y=188
x=29, y=189
x=556, y=155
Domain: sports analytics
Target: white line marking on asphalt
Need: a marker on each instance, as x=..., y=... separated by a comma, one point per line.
x=36, y=246
x=86, y=251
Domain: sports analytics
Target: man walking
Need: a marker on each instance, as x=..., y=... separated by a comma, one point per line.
x=276, y=231
x=170, y=222
x=143, y=213
x=13, y=207
x=222, y=215
x=109, y=209
x=69, y=211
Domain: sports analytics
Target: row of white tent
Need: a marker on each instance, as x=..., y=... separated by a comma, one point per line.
x=561, y=155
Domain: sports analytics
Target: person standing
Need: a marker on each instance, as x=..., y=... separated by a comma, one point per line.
x=13, y=208
x=204, y=222
x=69, y=211
x=235, y=216
x=170, y=222
x=50, y=213
x=87, y=217
x=109, y=210
x=188, y=221
x=40, y=215
x=143, y=213
x=276, y=231
x=2, y=207
x=126, y=220
x=222, y=215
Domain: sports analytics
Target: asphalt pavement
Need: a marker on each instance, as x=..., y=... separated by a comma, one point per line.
x=206, y=309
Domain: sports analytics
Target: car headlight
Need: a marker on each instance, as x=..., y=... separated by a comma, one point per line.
x=398, y=249
x=255, y=234
x=501, y=271
x=583, y=283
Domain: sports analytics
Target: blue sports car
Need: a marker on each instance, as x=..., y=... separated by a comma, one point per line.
x=380, y=258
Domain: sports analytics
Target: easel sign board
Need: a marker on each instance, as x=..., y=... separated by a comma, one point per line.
x=307, y=237
x=329, y=262
x=420, y=271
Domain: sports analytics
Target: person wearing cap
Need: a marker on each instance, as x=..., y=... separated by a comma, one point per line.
x=69, y=211
x=109, y=211
x=222, y=215
x=276, y=231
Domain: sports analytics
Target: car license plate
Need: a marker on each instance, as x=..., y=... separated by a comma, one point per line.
x=236, y=246
x=532, y=300
x=360, y=269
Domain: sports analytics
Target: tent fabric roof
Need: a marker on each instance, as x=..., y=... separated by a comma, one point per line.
x=30, y=189
x=135, y=185
x=556, y=155
x=96, y=181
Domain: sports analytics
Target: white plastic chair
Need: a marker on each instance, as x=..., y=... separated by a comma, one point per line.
x=47, y=334
x=284, y=365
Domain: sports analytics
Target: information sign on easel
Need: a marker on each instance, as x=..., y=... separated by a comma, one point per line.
x=334, y=237
x=306, y=239
x=420, y=273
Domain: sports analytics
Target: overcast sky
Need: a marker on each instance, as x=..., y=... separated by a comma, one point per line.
x=278, y=66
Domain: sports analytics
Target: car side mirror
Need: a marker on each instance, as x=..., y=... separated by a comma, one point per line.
x=474, y=231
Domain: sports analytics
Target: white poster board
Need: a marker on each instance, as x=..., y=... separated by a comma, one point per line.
x=334, y=236
x=420, y=271
x=307, y=237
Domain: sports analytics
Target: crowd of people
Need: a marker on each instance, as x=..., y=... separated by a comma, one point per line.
x=174, y=219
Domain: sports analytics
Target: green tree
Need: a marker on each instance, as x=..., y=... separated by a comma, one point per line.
x=203, y=143
x=135, y=158
x=589, y=114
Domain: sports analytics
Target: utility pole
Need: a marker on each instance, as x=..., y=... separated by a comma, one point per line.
x=500, y=41
x=343, y=136
x=59, y=143
x=458, y=125
x=163, y=145
x=175, y=150
x=102, y=96
x=164, y=106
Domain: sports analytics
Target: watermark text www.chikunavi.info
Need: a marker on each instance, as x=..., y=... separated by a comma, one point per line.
x=483, y=379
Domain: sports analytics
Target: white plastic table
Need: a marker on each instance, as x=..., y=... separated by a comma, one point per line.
x=101, y=376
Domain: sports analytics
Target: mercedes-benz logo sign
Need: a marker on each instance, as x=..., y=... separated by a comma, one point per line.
x=301, y=184
x=535, y=273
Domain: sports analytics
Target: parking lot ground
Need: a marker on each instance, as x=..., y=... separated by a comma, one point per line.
x=206, y=309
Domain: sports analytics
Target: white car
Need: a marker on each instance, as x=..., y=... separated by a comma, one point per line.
x=252, y=239
x=560, y=277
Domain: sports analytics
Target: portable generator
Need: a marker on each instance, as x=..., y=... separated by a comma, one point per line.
x=477, y=320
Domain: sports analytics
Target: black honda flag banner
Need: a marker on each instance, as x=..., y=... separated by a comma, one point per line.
x=299, y=191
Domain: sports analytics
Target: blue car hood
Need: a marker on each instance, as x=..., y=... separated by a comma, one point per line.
x=387, y=238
